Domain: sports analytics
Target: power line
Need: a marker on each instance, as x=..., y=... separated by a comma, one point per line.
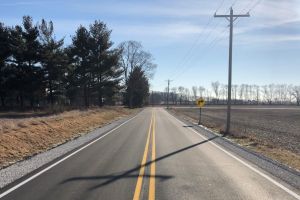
x=204, y=39
x=203, y=52
x=254, y=6
x=186, y=56
x=175, y=74
x=220, y=6
x=251, y=8
x=232, y=5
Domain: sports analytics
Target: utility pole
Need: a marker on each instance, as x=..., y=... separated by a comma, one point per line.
x=231, y=18
x=168, y=92
x=152, y=98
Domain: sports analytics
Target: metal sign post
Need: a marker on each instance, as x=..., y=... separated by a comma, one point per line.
x=200, y=103
x=200, y=116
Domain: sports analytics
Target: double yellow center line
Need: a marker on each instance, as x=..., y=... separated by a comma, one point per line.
x=139, y=183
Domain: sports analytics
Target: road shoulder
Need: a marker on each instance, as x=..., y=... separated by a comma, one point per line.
x=20, y=170
x=276, y=169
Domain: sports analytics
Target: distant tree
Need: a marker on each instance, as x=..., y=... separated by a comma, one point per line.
x=290, y=91
x=187, y=95
x=181, y=93
x=296, y=94
x=174, y=95
x=53, y=60
x=137, y=88
x=216, y=88
x=195, y=90
x=257, y=93
x=241, y=92
x=234, y=92
x=134, y=56
x=268, y=92
x=223, y=91
x=201, y=91
x=281, y=93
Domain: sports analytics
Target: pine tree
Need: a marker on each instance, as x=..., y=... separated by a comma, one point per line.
x=106, y=72
x=53, y=61
x=5, y=52
x=25, y=58
x=137, y=88
x=79, y=53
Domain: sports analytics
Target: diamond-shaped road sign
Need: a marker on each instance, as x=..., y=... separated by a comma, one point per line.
x=200, y=102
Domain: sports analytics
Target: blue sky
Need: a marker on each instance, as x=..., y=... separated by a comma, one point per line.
x=190, y=47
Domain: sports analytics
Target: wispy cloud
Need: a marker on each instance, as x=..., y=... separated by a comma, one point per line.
x=21, y=3
x=267, y=39
x=169, y=9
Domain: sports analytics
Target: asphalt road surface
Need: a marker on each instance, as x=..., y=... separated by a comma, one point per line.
x=152, y=156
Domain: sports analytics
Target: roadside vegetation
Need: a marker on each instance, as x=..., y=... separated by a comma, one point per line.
x=39, y=71
x=51, y=92
x=243, y=94
x=24, y=137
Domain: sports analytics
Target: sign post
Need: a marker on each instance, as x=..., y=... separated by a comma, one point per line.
x=200, y=103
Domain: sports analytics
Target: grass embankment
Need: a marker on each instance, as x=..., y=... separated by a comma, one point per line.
x=272, y=133
x=21, y=138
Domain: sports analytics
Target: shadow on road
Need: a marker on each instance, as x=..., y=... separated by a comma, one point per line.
x=110, y=178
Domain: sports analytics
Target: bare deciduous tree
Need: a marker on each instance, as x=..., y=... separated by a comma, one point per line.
x=194, y=90
x=296, y=94
x=134, y=56
x=201, y=91
x=216, y=87
x=174, y=95
x=181, y=93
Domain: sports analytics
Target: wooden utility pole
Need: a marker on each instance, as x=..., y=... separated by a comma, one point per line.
x=168, y=92
x=231, y=18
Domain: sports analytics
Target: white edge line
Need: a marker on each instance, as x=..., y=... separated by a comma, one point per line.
x=244, y=163
x=61, y=160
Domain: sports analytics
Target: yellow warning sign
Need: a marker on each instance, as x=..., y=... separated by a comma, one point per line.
x=200, y=102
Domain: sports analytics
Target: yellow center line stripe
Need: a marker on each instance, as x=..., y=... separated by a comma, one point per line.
x=139, y=183
x=152, y=167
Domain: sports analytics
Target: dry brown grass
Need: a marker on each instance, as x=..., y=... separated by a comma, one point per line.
x=276, y=153
x=21, y=138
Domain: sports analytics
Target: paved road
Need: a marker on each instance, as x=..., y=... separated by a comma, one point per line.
x=151, y=156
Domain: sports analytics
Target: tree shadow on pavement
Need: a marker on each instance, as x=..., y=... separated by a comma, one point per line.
x=110, y=178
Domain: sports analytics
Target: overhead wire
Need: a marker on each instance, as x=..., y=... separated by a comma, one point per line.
x=213, y=42
x=210, y=45
x=187, y=56
x=251, y=8
x=204, y=51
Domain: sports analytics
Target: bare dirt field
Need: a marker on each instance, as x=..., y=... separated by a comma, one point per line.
x=26, y=134
x=271, y=130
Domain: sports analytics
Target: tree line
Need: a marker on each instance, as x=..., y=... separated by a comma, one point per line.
x=39, y=70
x=282, y=94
